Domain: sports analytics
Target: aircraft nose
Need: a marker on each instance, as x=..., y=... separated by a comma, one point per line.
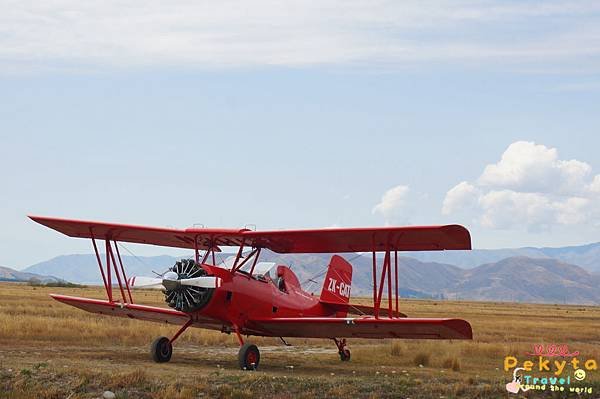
x=171, y=276
x=170, y=280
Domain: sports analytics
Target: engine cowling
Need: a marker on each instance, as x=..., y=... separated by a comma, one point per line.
x=186, y=298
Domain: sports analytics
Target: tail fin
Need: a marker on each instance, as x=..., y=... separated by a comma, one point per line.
x=338, y=281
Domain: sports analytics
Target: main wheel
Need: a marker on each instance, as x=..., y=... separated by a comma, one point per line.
x=161, y=350
x=345, y=355
x=249, y=357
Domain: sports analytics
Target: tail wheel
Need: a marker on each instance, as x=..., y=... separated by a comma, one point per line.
x=249, y=357
x=342, y=349
x=345, y=355
x=161, y=350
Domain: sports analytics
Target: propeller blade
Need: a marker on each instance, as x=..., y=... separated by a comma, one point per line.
x=202, y=282
x=145, y=282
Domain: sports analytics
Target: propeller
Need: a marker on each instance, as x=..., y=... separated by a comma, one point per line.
x=145, y=282
x=186, y=285
x=172, y=282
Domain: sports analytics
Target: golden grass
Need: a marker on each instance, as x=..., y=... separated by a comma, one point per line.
x=396, y=348
x=54, y=350
x=421, y=359
x=452, y=363
x=29, y=313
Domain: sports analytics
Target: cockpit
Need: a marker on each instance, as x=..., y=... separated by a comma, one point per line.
x=265, y=271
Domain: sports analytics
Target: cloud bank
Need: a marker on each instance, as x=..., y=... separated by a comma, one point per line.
x=393, y=204
x=530, y=188
x=92, y=34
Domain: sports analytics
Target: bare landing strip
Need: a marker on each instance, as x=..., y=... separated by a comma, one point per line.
x=55, y=351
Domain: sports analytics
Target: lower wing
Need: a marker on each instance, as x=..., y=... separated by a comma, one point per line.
x=132, y=311
x=309, y=327
x=363, y=327
x=360, y=310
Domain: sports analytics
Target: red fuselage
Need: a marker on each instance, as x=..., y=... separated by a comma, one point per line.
x=242, y=297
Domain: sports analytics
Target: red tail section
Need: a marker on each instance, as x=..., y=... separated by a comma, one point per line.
x=338, y=281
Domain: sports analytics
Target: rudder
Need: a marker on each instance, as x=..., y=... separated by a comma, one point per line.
x=338, y=281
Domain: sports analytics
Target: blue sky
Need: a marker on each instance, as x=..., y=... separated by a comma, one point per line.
x=341, y=114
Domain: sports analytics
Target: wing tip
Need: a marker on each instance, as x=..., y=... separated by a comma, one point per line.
x=459, y=235
x=44, y=219
x=461, y=327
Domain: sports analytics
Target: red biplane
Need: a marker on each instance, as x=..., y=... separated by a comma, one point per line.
x=248, y=297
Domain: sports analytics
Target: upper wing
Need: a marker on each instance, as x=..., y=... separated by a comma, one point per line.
x=411, y=238
x=364, y=327
x=166, y=237
x=366, y=239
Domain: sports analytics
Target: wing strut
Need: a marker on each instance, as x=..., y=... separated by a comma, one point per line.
x=386, y=279
x=99, y=261
x=119, y=269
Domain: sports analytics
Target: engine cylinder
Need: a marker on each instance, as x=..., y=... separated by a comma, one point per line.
x=187, y=298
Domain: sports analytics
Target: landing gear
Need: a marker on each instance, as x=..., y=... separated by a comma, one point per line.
x=248, y=357
x=342, y=349
x=345, y=355
x=161, y=350
x=162, y=347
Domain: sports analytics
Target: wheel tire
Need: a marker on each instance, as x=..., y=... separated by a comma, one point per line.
x=161, y=350
x=249, y=357
x=345, y=355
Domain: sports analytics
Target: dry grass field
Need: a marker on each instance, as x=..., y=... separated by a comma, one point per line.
x=50, y=350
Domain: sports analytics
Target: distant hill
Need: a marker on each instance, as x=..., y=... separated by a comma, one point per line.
x=8, y=274
x=586, y=256
x=420, y=279
x=516, y=278
x=525, y=279
x=83, y=269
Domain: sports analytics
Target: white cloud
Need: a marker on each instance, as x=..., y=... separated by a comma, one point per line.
x=595, y=185
x=76, y=34
x=505, y=209
x=393, y=204
x=574, y=210
x=529, y=188
x=463, y=195
x=530, y=167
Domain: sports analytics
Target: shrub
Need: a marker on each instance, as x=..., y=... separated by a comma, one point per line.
x=36, y=282
x=421, y=358
x=396, y=349
x=452, y=363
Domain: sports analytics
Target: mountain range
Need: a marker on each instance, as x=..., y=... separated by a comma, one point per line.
x=545, y=275
x=8, y=274
x=586, y=256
